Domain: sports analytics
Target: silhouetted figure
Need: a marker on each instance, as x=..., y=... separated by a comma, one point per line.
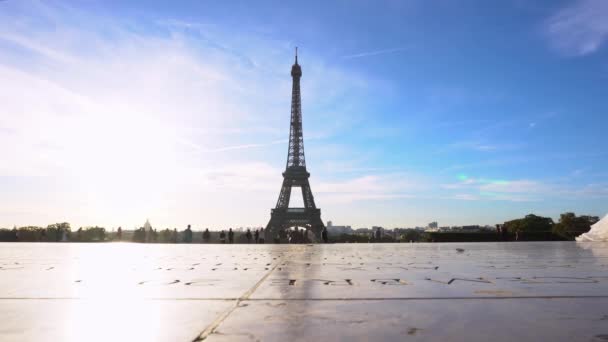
x=188, y=235
x=223, y=237
x=119, y=234
x=248, y=235
x=79, y=234
x=230, y=236
x=262, y=239
x=174, y=236
x=15, y=234
x=206, y=235
x=256, y=236
x=378, y=235
x=324, y=235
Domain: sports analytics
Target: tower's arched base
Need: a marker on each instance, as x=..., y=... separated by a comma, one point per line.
x=283, y=219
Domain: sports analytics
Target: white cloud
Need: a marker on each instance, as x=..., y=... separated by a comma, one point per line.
x=580, y=28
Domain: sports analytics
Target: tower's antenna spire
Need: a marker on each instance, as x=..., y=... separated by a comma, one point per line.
x=296, y=55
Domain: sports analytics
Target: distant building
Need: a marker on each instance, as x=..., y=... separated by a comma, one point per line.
x=467, y=229
x=338, y=230
x=363, y=231
x=148, y=231
x=377, y=228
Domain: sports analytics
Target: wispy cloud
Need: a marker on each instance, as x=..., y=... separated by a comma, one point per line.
x=523, y=190
x=246, y=146
x=374, y=53
x=481, y=146
x=580, y=28
x=379, y=186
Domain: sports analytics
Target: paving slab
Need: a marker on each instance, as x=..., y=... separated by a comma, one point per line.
x=463, y=291
x=578, y=319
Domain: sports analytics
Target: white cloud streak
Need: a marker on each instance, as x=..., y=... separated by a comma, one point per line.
x=374, y=53
x=580, y=28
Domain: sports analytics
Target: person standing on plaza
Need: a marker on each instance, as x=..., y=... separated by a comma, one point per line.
x=188, y=235
x=206, y=235
x=230, y=236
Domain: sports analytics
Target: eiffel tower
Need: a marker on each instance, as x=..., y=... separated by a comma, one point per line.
x=282, y=217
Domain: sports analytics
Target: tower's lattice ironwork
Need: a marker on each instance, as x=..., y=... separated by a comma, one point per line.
x=282, y=216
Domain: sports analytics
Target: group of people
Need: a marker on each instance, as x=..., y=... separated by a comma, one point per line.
x=257, y=236
x=296, y=235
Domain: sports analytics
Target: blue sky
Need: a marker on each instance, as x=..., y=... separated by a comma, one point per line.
x=414, y=111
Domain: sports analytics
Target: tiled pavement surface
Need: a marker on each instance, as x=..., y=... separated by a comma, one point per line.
x=546, y=291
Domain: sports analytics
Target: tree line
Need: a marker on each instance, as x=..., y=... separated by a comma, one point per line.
x=530, y=227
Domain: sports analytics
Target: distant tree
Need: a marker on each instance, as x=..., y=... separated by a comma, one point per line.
x=95, y=234
x=530, y=223
x=571, y=226
x=30, y=234
x=352, y=238
x=55, y=231
x=8, y=235
x=410, y=235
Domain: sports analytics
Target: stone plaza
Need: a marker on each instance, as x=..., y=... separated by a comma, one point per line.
x=524, y=291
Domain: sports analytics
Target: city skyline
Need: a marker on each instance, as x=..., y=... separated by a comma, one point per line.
x=469, y=113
